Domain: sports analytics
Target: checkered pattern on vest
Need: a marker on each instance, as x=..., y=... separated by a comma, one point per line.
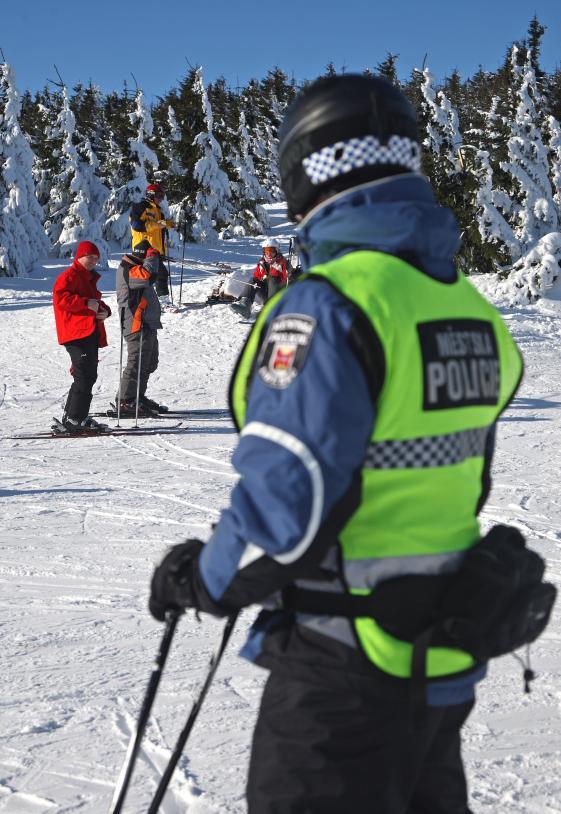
x=420, y=453
x=351, y=154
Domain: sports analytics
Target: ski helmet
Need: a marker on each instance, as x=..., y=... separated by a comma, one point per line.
x=342, y=131
x=270, y=243
x=155, y=190
x=141, y=249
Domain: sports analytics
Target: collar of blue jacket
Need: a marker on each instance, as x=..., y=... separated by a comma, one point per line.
x=397, y=215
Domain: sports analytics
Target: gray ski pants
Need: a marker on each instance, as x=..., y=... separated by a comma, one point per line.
x=149, y=362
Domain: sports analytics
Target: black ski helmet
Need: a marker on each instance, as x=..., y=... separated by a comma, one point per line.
x=341, y=131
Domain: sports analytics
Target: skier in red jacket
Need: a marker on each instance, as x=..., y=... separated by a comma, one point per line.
x=79, y=316
x=271, y=268
x=270, y=276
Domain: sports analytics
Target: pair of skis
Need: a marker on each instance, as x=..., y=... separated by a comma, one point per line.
x=58, y=429
x=218, y=412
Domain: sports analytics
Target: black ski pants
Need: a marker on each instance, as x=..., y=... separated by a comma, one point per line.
x=84, y=357
x=162, y=289
x=150, y=356
x=338, y=743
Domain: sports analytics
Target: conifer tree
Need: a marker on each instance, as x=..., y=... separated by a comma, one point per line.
x=455, y=186
x=249, y=216
x=257, y=125
x=212, y=208
x=138, y=173
x=553, y=132
x=39, y=120
x=443, y=139
x=77, y=195
x=534, y=43
x=498, y=242
x=533, y=213
x=22, y=238
x=388, y=68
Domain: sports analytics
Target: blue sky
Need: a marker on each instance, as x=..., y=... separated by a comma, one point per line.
x=106, y=40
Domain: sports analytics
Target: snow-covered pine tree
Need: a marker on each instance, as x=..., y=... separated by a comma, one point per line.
x=533, y=212
x=493, y=194
x=250, y=217
x=498, y=241
x=22, y=237
x=262, y=148
x=276, y=94
x=87, y=105
x=530, y=208
x=170, y=144
x=454, y=184
x=170, y=173
x=138, y=172
x=77, y=195
x=212, y=205
x=553, y=132
x=38, y=119
x=442, y=141
x=553, y=94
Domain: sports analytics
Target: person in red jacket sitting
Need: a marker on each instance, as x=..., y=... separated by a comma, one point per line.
x=270, y=276
x=79, y=316
x=271, y=268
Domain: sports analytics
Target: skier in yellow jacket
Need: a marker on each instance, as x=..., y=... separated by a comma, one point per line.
x=148, y=222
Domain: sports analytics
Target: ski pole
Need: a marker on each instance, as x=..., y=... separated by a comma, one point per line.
x=195, y=709
x=136, y=737
x=120, y=367
x=182, y=257
x=225, y=267
x=169, y=272
x=138, y=375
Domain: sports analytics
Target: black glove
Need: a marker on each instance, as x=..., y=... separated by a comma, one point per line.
x=172, y=585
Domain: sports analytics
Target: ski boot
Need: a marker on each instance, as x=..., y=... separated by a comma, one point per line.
x=144, y=401
x=242, y=307
x=72, y=426
x=167, y=305
x=94, y=426
x=128, y=409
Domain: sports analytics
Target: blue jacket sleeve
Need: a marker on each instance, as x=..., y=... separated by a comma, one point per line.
x=309, y=420
x=135, y=217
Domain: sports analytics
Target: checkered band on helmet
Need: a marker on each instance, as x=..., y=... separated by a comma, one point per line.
x=351, y=154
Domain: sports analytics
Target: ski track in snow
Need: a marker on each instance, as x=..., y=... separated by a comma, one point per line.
x=85, y=522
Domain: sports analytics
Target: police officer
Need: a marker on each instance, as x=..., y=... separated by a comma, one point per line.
x=366, y=398
x=148, y=222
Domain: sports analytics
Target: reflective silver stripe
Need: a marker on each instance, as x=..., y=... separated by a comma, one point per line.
x=366, y=574
x=431, y=450
x=335, y=627
x=300, y=451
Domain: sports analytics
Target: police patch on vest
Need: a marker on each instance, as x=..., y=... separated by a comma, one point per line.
x=460, y=363
x=285, y=349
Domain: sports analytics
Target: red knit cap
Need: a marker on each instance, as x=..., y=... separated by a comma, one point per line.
x=84, y=248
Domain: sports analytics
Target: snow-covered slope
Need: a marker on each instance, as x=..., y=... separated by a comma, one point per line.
x=84, y=521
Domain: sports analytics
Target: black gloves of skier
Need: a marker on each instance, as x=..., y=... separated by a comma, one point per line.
x=177, y=584
x=172, y=585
